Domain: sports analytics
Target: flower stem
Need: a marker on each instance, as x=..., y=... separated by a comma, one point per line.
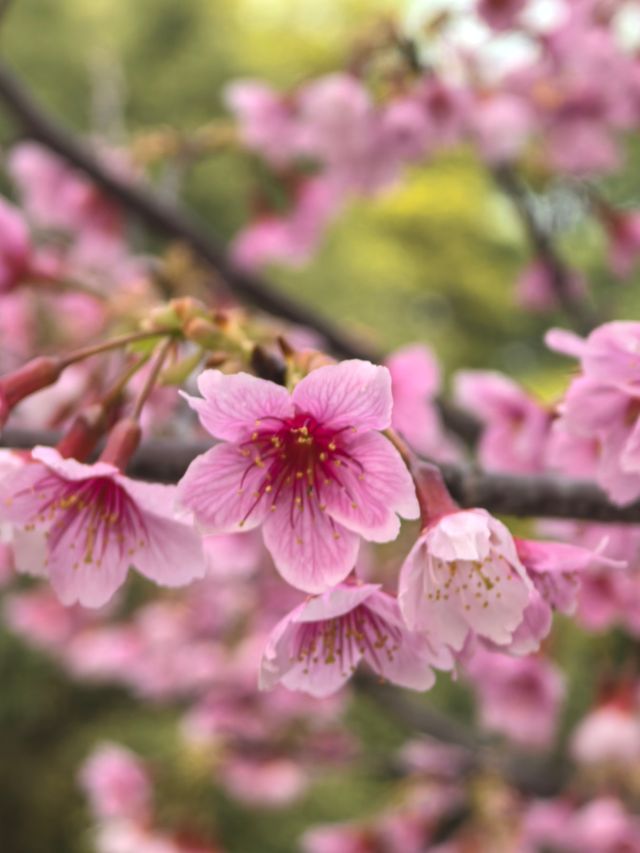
x=114, y=343
x=152, y=378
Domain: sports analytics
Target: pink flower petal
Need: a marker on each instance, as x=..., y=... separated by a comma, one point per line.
x=219, y=488
x=76, y=580
x=71, y=469
x=371, y=495
x=409, y=662
x=310, y=550
x=233, y=406
x=353, y=393
x=565, y=342
x=335, y=602
x=441, y=620
x=497, y=611
x=319, y=679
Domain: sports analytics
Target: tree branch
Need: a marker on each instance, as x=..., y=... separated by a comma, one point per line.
x=539, y=496
x=543, y=248
x=155, y=212
x=172, y=222
x=540, y=775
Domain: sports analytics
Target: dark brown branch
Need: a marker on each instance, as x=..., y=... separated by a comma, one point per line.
x=574, y=305
x=540, y=775
x=541, y=496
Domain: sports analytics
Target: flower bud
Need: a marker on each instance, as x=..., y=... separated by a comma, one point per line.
x=122, y=443
x=84, y=433
x=31, y=377
x=203, y=332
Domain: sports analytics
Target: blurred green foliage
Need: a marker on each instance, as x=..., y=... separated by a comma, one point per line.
x=433, y=261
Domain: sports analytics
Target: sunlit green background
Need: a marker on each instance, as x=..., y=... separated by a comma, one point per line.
x=433, y=261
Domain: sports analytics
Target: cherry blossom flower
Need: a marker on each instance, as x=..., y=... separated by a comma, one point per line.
x=289, y=237
x=463, y=574
x=15, y=247
x=415, y=381
x=317, y=646
x=309, y=466
x=558, y=571
x=273, y=783
x=515, y=425
x=610, y=734
x=501, y=125
x=98, y=523
x=267, y=121
x=518, y=697
x=116, y=783
x=602, y=405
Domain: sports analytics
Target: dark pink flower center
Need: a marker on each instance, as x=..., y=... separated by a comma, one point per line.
x=343, y=640
x=88, y=516
x=301, y=460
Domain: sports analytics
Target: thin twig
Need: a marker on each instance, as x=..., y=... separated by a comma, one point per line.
x=159, y=214
x=156, y=212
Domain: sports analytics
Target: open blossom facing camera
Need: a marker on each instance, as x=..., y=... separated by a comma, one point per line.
x=309, y=466
x=317, y=646
x=96, y=523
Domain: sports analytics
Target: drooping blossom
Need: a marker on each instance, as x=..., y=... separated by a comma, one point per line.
x=338, y=127
x=310, y=466
x=463, y=575
x=515, y=425
x=518, y=697
x=116, y=783
x=317, y=647
x=97, y=523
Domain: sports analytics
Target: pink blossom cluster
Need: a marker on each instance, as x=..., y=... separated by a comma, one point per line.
x=313, y=471
x=566, y=101
x=119, y=789
x=587, y=434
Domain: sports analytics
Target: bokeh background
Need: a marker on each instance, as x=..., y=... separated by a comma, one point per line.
x=433, y=261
